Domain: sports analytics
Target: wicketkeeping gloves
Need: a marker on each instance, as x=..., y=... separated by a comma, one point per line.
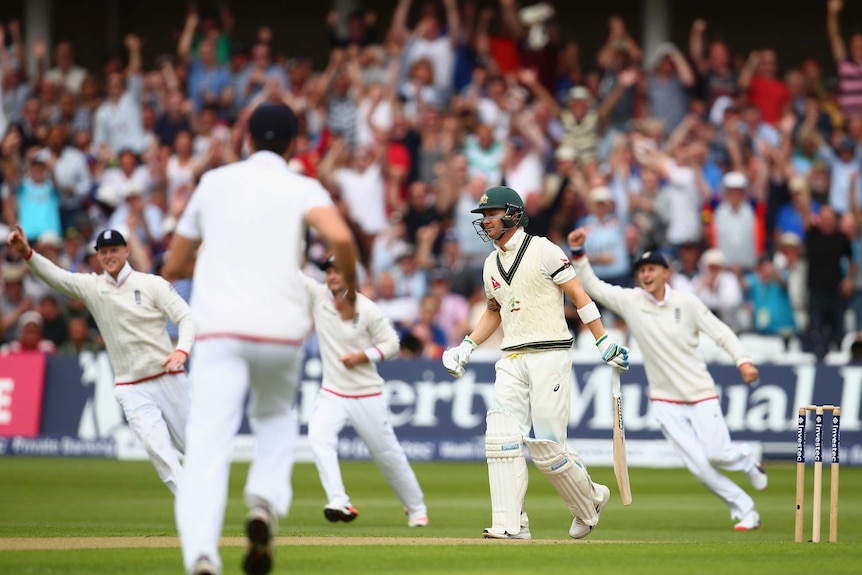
x=455, y=358
x=613, y=353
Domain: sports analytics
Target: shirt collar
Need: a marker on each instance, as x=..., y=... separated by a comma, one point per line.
x=267, y=158
x=514, y=242
x=663, y=302
x=121, y=277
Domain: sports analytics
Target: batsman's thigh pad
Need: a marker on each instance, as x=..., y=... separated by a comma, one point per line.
x=568, y=475
x=507, y=469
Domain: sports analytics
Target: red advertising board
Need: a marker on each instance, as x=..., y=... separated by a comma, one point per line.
x=22, y=380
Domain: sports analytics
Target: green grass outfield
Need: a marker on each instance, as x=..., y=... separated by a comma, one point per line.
x=85, y=516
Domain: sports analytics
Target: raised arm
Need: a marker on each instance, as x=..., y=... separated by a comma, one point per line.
x=836, y=42
x=747, y=72
x=328, y=221
x=185, y=43
x=696, y=46
x=683, y=70
x=64, y=281
x=453, y=22
x=133, y=45
x=398, y=30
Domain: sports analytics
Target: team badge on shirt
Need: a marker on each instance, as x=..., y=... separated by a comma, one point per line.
x=494, y=283
x=514, y=305
x=138, y=296
x=677, y=314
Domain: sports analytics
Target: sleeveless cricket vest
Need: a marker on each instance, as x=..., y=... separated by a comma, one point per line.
x=531, y=304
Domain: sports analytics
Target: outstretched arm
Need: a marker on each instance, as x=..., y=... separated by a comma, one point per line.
x=836, y=43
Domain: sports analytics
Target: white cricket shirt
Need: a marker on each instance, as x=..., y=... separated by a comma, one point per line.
x=369, y=332
x=131, y=315
x=250, y=217
x=668, y=335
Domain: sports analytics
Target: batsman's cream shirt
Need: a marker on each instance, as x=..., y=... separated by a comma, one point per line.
x=250, y=218
x=369, y=331
x=525, y=280
x=668, y=335
x=131, y=314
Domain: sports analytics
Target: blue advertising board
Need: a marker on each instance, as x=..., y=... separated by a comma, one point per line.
x=436, y=417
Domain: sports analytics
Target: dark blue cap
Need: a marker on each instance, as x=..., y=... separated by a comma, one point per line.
x=651, y=257
x=325, y=264
x=273, y=122
x=110, y=238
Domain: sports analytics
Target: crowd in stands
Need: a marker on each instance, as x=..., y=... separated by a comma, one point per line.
x=743, y=168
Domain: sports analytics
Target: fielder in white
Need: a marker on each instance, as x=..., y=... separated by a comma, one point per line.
x=526, y=278
x=249, y=220
x=352, y=340
x=131, y=309
x=683, y=397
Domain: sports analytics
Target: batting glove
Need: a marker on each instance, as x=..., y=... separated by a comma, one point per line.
x=613, y=353
x=455, y=358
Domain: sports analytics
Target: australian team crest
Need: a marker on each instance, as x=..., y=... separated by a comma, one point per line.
x=483, y=200
x=494, y=283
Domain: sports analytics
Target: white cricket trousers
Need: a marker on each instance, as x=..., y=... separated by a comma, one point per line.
x=699, y=434
x=536, y=388
x=369, y=416
x=157, y=410
x=223, y=370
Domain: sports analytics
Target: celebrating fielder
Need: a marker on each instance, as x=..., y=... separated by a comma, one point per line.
x=131, y=310
x=666, y=324
x=525, y=280
x=253, y=316
x=353, y=337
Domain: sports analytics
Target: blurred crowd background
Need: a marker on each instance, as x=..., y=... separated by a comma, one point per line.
x=743, y=167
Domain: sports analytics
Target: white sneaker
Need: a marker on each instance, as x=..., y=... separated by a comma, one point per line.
x=601, y=496
x=419, y=521
x=749, y=522
x=757, y=477
x=203, y=566
x=498, y=533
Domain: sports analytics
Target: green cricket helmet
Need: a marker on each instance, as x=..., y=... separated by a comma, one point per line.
x=501, y=197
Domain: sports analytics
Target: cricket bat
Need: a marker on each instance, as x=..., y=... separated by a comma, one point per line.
x=621, y=468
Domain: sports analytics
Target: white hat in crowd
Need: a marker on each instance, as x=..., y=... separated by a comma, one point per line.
x=29, y=317
x=734, y=180
x=600, y=194
x=50, y=239
x=712, y=257
x=565, y=153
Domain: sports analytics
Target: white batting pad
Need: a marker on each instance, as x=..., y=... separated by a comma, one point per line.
x=507, y=469
x=568, y=474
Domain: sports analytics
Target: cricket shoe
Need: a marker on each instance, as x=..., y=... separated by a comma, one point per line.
x=601, y=496
x=346, y=513
x=757, y=477
x=260, y=526
x=204, y=566
x=499, y=533
x=749, y=522
x=416, y=520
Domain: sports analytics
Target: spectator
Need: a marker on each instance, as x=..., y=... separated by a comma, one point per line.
x=173, y=120
x=734, y=223
x=667, y=83
x=34, y=199
x=759, y=78
x=769, y=300
x=453, y=314
x=66, y=73
x=14, y=301
x=715, y=76
x=209, y=80
x=849, y=62
x=54, y=326
x=606, y=246
x=829, y=254
x=117, y=123
x=71, y=175
x=718, y=288
x=29, y=337
x=79, y=338
x=791, y=264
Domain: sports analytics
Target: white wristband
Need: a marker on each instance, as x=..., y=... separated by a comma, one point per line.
x=374, y=355
x=589, y=313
